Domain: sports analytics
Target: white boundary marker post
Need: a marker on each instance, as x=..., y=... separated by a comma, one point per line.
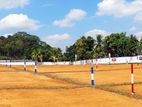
x=24, y=65
x=35, y=66
x=132, y=79
x=109, y=55
x=9, y=63
x=92, y=77
x=96, y=67
x=5, y=62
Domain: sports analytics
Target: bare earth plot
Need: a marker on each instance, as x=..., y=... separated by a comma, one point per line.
x=63, y=86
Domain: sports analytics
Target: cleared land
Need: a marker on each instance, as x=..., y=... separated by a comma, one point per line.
x=63, y=86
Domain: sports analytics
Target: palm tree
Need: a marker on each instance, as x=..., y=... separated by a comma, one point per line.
x=98, y=48
x=56, y=54
x=99, y=40
x=40, y=56
x=37, y=55
x=54, y=58
x=139, y=49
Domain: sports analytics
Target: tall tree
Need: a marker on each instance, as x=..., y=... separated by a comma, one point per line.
x=70, y=53
x=84, y=47
x=118, y=44
x=98, y=49
x=56, y=54
x=139, y=49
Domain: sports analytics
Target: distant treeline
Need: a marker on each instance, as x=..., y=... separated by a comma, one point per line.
x=115, y=44
x=26, y=46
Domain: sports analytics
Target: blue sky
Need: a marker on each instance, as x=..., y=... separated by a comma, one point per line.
x=61, y=22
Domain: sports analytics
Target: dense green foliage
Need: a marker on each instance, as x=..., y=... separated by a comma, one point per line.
x=117, y=44
x=25, y=46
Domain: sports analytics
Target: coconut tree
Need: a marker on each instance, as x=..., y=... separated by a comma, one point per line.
x=98, y=47
x=37, y=55
x=40, y=56
x=56, y=54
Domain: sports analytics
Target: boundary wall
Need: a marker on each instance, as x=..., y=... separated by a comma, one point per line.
x=112, y=60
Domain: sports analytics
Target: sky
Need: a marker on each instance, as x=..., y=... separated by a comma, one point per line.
x=61, y=22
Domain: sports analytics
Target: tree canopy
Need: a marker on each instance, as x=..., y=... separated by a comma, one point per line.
x=25, y=46
x=116, y=44
x=22, y=45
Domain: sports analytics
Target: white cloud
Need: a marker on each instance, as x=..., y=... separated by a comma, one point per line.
x=58, y=38
x=9, y=4
x=138, y=17
x=70, y=19
x=133, y=29
x=6, y=35
x=119, y=8
x=93, y=33
x=18, y=21
x=139, y=35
